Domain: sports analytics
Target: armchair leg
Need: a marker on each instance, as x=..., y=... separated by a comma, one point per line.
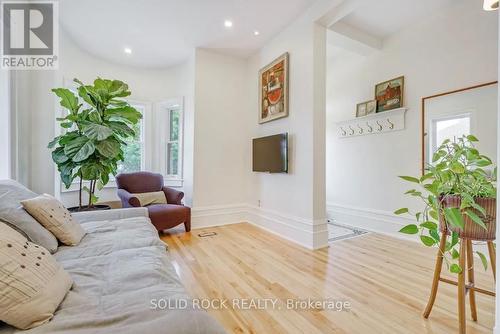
x=187, y=224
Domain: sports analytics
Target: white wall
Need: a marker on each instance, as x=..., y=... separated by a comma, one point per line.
x=293, y=204
x=454, y=48
x=4, y=124
x=221, y=126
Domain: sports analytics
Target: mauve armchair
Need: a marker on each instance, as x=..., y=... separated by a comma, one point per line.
x=163, y=216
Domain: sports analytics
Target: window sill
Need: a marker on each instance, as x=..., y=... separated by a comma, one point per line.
x=75, y=186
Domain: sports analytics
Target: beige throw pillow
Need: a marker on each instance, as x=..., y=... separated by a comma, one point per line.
x=157, y=197
x=32, y=283
x=52, y=214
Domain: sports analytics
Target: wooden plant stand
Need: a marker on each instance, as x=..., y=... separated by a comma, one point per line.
x=466, y=257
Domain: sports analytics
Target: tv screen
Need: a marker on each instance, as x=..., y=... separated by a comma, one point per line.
x=270, y=154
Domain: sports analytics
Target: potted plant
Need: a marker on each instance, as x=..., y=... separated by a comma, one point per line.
x=458, y=190
x=96, y=126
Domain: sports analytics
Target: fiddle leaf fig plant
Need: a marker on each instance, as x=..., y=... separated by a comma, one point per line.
x=457, y=169
x=95, y=128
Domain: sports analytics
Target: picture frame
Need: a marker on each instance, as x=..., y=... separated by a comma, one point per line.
x=390, y=94
x=273, y=89
x=366, y=108
x=361, y=109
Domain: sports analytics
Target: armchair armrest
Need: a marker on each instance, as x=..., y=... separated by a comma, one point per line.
x=173, y=196
x=128, y=199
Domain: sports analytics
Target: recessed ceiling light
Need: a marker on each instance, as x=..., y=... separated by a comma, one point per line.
x=228, y=23
x=127, y=50
x=256, y=33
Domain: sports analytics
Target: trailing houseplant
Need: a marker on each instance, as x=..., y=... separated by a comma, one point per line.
x=97, y=124
x=457, y=188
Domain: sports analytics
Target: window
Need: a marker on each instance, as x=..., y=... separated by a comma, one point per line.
x=133, y=160
x=449, y=128
x=173, y=142
x=171, y=118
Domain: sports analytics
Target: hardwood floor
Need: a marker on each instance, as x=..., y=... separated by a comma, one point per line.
x=386, y=280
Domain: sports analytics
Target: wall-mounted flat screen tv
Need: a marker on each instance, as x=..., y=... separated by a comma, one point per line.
x=270, y=154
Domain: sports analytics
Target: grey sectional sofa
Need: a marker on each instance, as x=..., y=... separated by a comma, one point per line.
x=120, y=269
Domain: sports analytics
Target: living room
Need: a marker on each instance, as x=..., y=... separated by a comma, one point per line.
x=237, y=139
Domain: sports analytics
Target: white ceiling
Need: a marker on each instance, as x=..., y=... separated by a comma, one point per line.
x=162, y=33
x=382, y=18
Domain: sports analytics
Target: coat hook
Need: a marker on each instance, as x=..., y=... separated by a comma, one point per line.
x=391, y=125
x=370, y=128
x=360, y=131
x=379, y=128
x=344, y=132
x=352, y=131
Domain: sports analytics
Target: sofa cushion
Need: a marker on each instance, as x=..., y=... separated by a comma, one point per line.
x=11, y=211
x=32, y=283
x=52, y=214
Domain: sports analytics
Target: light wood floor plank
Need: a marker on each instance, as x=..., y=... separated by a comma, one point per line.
x=386, y=280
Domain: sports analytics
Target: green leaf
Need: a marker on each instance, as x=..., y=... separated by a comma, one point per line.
x=455, y=254
x=409, y=229
x=433, y=214
x=122, y=129
x=68, y=99
x=97, y=131
x=91, y=171
x=58, y=156
x=401, y=211
x=53, y=142
x=428, y=241
x=457, y=167
x=410, y=179
x=483, y=260
x=109, y=148
x=454, y=217
x=67, y=125
x=123, y=114
x=472, y=138
x=435, y=235
x=455, y=268
x=476, y=219
x=84, y=152
x=429, y=225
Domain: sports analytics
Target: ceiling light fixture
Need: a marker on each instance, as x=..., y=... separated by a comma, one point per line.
x=490, y=5
x=256, y=33
x=228, y=23
x=127, y=51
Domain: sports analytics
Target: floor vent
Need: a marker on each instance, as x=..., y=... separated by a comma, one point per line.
x=207, y=234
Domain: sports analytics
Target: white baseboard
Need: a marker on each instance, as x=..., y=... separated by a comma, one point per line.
x=379, y=221
x=202, y=217
x=307, y=233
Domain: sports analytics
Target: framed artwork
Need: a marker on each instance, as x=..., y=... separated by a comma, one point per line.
x=361, y=109
x=366, y=108
x=273, y=90
x=371, y=107
x=389, y=94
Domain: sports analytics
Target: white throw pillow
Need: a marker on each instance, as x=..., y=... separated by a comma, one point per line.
x=32, y=283
x=52, y=214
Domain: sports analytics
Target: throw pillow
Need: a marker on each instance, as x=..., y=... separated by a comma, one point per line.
x=157, y=197
x=11, y=211
x=56, y=218
x=33, y=284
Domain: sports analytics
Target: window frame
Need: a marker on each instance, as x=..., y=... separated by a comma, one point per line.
x=163, y=109
x=432, y=145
